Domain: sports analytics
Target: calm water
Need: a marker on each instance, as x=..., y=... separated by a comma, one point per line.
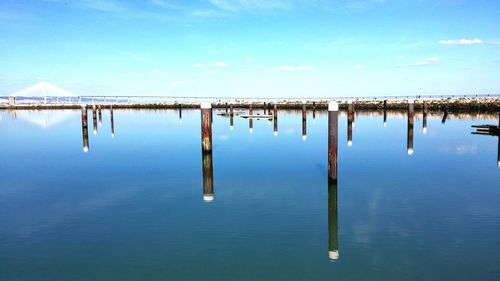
x=133, y=208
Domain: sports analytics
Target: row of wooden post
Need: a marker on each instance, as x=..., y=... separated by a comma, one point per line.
x=85, y=129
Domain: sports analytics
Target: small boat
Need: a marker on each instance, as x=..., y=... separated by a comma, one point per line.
x=256, y=116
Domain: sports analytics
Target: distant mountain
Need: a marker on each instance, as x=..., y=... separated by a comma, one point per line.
x=43, y=89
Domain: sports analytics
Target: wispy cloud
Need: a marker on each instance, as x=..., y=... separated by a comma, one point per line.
x=358, y=66
x=102, y=5
x=220, y=64
x=250, y=5
x=165, y=4
x=461, y=42
x=424, y=62
x=198, y=65
x=292, y=68
x=177, y=84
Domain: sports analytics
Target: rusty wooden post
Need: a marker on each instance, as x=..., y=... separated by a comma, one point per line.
x=275, y=119
x=94, y=119
x=208, y=176
x=409, y=136
x=112, y=121
x=333, y=121
x=206, y=126
x=333, y=243
x=85, y=129
x=100, y=115
x=304, y=121
x=231, y=117
x=250, y=120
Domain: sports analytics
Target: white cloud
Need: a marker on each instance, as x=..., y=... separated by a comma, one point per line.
x=293, y=68
x=220, y=64
x=461, y=42
x=426, y=61
x=198, y=65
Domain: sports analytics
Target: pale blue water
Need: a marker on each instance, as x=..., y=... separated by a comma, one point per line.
x=132, y=208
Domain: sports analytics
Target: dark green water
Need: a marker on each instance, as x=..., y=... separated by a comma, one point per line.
x=133, y=208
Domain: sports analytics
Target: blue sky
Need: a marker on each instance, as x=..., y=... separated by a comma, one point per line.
x=273, y=48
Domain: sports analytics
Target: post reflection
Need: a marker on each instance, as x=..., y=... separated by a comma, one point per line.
x=275, y=119
x=424, y=118
x=333, y=225
x=100, y=116
x=250, y=119
x=112, y=121
x=180, y=113
x=304, y=122
x=385, y=113
x=85, y=129
x=231, y=117
x=350, y=118
x=208, y=176
x=409, y=135
x=94, y=119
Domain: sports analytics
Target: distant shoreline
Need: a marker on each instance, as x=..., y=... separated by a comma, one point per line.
x=487, y=104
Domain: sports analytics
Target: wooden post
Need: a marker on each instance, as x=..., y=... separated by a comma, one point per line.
x=85, y=129
x=304, y=121
x=350, y=112
x=206, y=126
x=112, y=121
x=275, y=119
x=94, y=119
x=409, y=136
x=445, y=115
x=250, y=120
x=231, y=117
x=333, y=120
x=333, y=243
x=350, y=121
x=424, y=118
x=206, y=148
x=226, y=107
x=180, y=112
x=264, y=108
x=385, y=113
x=100, y=115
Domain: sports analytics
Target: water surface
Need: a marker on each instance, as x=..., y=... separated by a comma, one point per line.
x=133, y=207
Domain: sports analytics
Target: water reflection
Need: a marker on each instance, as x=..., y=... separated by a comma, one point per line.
x=333, y=225
x=112, y=121
x=94, y=119
x=304, y=122
x=85, y=129
x=409, y=135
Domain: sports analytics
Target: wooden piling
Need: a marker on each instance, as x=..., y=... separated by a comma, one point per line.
x=350, y=121
x=304, y=121
x=385, y=113
x=85, y=129
x=231, y=117
x=333, y=120
x=112, y=121
x=94, y=119
x=250, y=120
x=409, y=135
x=206, y=127
x=333, y=243
x=100, y=115
x=275, y=115
x=425, y=111
x=180, y=112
